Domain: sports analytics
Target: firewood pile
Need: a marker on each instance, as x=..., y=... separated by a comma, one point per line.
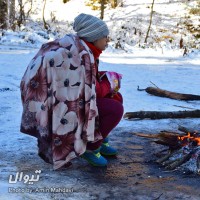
x=183, y=149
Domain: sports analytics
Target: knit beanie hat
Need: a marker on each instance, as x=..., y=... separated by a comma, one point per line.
x=90, y=28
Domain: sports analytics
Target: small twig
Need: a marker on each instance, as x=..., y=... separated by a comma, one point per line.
x=4, y=89
x=173, y=133
x=129, y=162
x=158, y=197
x=183, y=107
x=145, y=135
x=154, y=84
x=140, y=89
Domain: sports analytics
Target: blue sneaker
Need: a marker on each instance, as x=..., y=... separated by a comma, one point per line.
x=95, y=158
x=106, y=149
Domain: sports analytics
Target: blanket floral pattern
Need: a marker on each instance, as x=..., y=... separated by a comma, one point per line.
x=59, y=100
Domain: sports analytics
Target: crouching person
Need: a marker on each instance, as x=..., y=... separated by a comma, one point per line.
x=68, y=105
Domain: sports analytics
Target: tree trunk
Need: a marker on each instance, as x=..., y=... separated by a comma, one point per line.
x=12, y=14
x=21, y=18
x=43, y=18
x=172, y=95
x=3, y=14
x=150, y=22
x=30, y=9
x=102, y=9
x=162, y=115
x=181, y=43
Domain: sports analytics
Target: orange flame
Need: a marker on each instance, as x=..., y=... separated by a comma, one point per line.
x=190, y=138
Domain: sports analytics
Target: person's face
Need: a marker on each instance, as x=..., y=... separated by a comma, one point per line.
x=101, y=43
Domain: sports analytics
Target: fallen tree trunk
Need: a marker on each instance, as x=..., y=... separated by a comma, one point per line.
x=162, y=114
x=172, y=95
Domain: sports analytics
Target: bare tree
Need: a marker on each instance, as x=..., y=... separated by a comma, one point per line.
x=3, y=14
x=30, y=9
x=102, y=8
x=150, y=22
x=21, y=18
x=11, y=13
x=181, y=43
x=46, y=25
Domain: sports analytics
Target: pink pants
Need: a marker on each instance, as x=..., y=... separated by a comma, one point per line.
x=110, y=114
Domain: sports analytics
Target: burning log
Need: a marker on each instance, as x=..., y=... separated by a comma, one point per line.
x=198, y=164
x=167, y=162
x=179, y=161
x=182, y=148
x=168, y=94
x=162, y=115
x=164, y=158
x=169, y=139
x=186, y=130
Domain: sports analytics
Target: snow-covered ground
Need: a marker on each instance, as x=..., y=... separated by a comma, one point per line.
x=169, y=71
x=165, y=67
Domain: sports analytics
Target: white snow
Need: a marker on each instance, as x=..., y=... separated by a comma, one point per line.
x=165, y=67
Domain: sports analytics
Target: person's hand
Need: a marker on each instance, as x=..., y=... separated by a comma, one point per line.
x=115, y=81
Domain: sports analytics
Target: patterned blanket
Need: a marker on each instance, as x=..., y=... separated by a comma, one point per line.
x=59, y=100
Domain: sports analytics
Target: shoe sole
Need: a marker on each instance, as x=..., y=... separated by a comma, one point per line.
x=93, y=164
x=112, y=154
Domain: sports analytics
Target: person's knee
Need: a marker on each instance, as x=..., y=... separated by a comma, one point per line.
x=121, y=110
x=110, y=107
x=118, y=110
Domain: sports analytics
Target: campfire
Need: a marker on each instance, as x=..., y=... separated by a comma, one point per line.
x=183, y=149
x=193, y=139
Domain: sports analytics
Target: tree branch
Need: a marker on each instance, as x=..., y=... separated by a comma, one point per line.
x=162, y=115
x=168, y=94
